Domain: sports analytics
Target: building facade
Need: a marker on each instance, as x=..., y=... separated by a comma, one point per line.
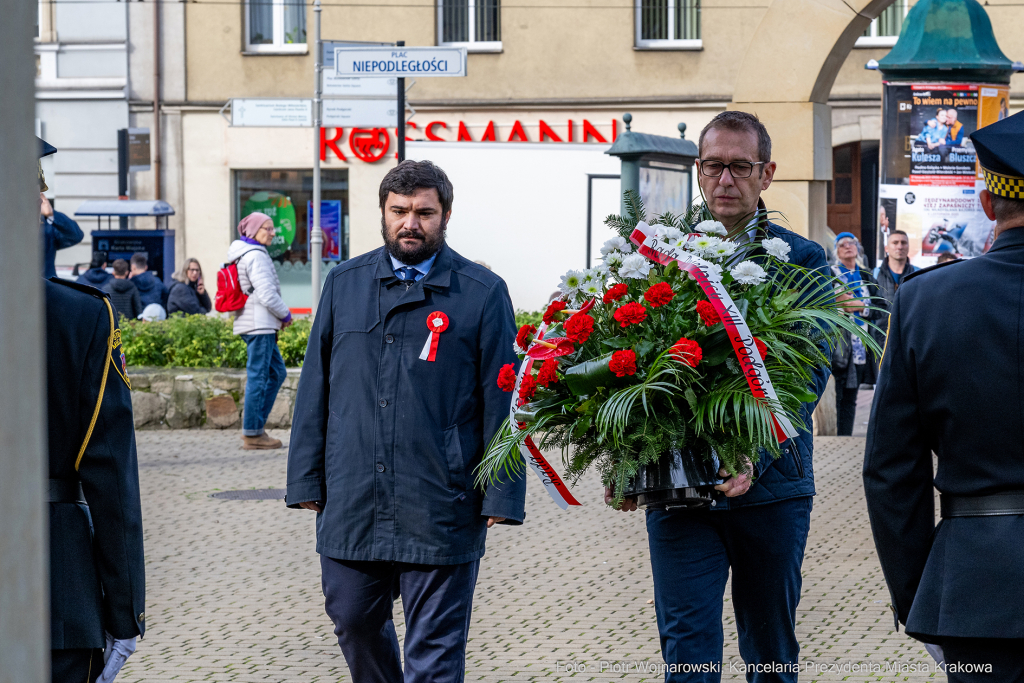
x=523, y=134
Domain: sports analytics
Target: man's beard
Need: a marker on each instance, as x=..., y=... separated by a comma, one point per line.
x=419, y=253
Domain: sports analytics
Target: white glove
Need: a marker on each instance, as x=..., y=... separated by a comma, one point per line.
x=115, y=655
x=936, y=652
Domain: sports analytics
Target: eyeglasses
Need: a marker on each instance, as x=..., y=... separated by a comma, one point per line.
x=737, y=169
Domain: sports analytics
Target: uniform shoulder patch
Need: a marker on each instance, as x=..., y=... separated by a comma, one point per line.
x=117, y=357
x=929, y=269
x=85, y=289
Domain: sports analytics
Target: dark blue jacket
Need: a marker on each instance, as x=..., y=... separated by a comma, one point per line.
x=151, y=289
x=95, y=277
x=952, y=384
x=59, y=232
x=97, y=575
x=389, y=443
x=792, y=474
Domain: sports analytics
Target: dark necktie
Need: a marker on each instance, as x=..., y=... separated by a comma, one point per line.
x=407, y=274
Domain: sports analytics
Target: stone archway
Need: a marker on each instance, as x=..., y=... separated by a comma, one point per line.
x=785, y=78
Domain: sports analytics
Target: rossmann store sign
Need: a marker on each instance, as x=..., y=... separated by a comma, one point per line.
x=374, y=144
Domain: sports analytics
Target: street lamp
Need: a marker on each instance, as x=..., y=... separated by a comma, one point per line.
x=656, y=167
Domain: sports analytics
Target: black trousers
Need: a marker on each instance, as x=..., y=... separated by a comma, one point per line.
x=438, y=602
x=968, y=660
x=75, y=666
x=846, y=402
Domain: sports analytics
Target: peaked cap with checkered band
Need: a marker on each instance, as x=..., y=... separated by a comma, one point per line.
x=1000, y=148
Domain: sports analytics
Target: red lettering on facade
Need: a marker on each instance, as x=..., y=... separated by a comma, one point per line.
x=332, y=143
x=590, y=132
x=408, y=124
x=546, y=132
x=431, y=135
x=518, y=132
x=571, y=130
x=615, y=129
x=369, y=144
x=464, y=133
x=489, y=133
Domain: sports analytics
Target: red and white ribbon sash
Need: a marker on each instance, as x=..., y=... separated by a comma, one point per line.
x=553, y=483
x=742, y=340
x=437, y=322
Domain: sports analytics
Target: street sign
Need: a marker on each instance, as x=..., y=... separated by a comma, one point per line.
x=138, y=149
x=400, y=62
x=272, y=113
x=381, y=113
x=342, y=86
x=345, y=86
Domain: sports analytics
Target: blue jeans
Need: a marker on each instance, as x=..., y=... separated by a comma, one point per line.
x=691, y=554
x=265, y=373
x=438, y=603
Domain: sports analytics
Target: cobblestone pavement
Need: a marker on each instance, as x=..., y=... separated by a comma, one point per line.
x=234, y=586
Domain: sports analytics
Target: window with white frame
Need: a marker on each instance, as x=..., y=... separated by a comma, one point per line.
x=668, y=24
x=884, y=30
x=275, y=26
x=475, y=24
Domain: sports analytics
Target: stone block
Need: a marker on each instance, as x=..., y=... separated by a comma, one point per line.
x=162, y=383
x=148, y=409
x=281, y=414
x=186, y=406
x=226, y=382
x=140, y=380
x=221, y=412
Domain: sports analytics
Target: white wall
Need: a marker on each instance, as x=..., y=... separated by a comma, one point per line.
x=522, y=207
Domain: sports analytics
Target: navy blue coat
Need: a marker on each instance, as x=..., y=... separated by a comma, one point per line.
x=792, y=474
x=952, y=383
x=388, y=443
x=59, y=232
x=151, y=289
x=95, y=277
x=97, y=576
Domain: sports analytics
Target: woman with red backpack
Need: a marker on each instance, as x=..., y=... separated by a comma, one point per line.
x=263, y=314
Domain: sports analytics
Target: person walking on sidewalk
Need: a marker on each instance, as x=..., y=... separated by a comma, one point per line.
x=258, y=323
x=123, y=293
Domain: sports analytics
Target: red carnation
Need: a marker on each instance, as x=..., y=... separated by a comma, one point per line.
x=507, y=377
x=687, y=351
x=659, y=294
x=707, y=313
x=525, y=333
x=615, y=292
x=632, y=313
x=547, y=374
x=578, y=328
x=555, y=307
x=762, y=348
x=527, y=389
x=623, y=363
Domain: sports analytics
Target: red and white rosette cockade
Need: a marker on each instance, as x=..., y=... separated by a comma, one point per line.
x=437, y=322
x=553, y=483
x=750, y=360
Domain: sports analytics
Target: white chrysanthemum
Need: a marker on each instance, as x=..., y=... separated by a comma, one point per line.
x=592, y=275
x=777, y=247
x=722, y=249
x=602, y=269
x=749, y=273
x=571, y=283
x=714, y=271
x=593, y=289
x=635, y=266
x=704, y=245
x=616, y=244
x=517, y=349
x=613, y=259
x=678, y=243
x=711, y=228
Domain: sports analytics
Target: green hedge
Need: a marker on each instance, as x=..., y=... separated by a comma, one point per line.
x=198, y=341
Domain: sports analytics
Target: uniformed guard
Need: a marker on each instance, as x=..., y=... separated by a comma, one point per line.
x=58, y=229
x=952, y=384
x=97, y=579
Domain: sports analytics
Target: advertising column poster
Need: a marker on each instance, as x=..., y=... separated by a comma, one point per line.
x=930, y=173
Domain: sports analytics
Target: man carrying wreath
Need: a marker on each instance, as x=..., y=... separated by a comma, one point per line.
x=395, y=406
x=759, y=527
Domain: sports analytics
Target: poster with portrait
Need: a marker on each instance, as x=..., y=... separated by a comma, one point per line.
x=930, y=175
